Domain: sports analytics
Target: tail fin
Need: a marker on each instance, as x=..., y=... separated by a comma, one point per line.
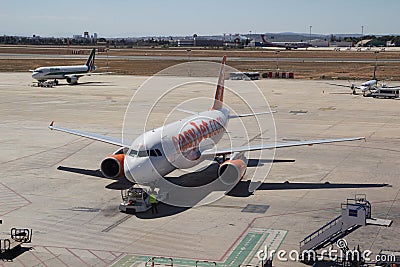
x=90, y=60
x=263, y=38
x=219, y=93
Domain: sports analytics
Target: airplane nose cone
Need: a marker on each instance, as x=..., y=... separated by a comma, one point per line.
x=35, y=75
x=139, y=170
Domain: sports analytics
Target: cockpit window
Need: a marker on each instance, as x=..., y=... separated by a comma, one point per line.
x=145, y=153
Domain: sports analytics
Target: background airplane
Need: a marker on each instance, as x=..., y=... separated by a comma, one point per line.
x=184, y=144
x=70, y=73
x=286, y=45
x=367, y=87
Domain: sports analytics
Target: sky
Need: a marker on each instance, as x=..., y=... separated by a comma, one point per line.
x=131, y=18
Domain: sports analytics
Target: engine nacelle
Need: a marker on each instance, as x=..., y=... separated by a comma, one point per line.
x=113, y=166
x=232, y=171
x=72, y=80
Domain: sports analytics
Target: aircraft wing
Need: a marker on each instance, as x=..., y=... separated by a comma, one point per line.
x=93, y=136
x=231, y=116
x=277, y=145
x=86, y=74
x=187, y=111
x=341, y=85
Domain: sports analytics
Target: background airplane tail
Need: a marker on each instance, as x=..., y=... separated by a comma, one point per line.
x=219, y=93
x=90, y=60
x=263, y=39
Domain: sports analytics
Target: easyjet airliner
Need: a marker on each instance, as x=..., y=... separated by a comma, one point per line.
x=183, y=144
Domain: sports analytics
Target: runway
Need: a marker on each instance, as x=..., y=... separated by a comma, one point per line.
x=197, y=58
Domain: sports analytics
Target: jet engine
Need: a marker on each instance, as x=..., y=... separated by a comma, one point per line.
x=113, y=166
x=231, y=171
x=72, y=80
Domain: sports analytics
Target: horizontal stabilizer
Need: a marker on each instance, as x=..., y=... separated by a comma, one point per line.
x=250, y=114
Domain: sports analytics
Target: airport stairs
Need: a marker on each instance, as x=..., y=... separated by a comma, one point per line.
x=326, y=235
x=356, y=212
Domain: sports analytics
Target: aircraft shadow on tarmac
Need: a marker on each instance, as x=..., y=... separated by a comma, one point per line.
x=86, y=83
x=343, y=93
x=120, y=183
x=241, y=189
x=164, y=210
x=208, y=175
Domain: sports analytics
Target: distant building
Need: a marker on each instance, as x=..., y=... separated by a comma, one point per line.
x=320, y=43
x=86, y=35
x=197, y=41
x=185, y=42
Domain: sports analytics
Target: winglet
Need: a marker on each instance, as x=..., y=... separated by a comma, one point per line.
x=219, y=93
x=51, y=125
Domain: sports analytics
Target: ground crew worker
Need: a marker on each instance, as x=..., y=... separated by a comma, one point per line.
x=153, y=202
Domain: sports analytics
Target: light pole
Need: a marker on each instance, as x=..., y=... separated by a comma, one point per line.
x=248, y=39
x=310, y=33
x=362, y=31
x=277, y=59
x=376, y=63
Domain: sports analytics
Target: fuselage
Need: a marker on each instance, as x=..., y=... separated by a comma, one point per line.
x=58, y=72
x=368, y=85
x=288, y=45
x=177, y=145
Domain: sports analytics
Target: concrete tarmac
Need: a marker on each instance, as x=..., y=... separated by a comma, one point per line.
x=50, y=181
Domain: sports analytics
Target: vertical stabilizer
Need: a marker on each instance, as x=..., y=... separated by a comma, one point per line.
x=90, y=61
x=264, y=40
x=219, y=93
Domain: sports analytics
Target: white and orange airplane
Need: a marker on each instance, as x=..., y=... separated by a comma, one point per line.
x=183, y=144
